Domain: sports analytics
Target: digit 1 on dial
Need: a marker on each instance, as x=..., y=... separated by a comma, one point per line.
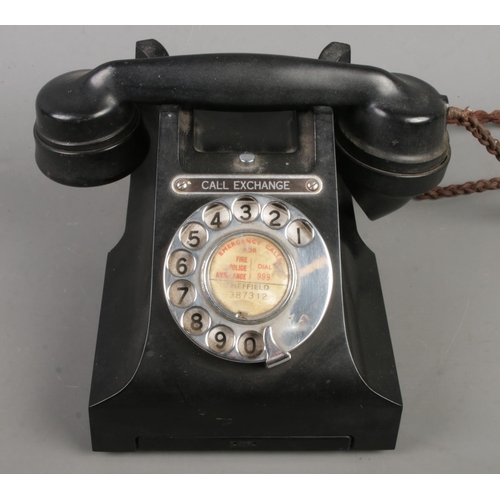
x=300, y=233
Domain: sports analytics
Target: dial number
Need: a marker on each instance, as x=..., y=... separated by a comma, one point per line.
x=194, y=236
x=300, y=233
x=181, y=263
x=196, y=321
x=182, y=293
x=251, y=345
x=220, y=339
x=275, y=215
x=217, y=216
x=246, y=209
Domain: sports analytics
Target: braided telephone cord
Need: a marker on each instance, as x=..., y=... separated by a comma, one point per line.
x=472, y=121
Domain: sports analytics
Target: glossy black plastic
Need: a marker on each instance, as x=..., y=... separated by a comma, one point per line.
x=378, y=136
x=153, y=390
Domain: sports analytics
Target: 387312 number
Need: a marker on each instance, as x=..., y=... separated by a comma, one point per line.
x=248, y=295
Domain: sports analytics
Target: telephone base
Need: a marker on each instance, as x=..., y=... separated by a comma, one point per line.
x=152, y=388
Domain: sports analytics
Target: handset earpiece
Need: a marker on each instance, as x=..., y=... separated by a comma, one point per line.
x=83, y=141
x=84, y=135
x=395, y=148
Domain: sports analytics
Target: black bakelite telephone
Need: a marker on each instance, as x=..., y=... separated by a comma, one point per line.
x=241, y=310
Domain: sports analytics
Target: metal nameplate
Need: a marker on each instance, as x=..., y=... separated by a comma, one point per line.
x=230, y=184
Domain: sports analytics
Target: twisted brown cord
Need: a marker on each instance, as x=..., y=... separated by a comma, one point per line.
x=467, y=118
x=472, y=121
x=481, y=116
x=456, y=189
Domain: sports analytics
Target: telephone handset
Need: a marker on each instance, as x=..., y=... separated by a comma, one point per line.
x=241, y=239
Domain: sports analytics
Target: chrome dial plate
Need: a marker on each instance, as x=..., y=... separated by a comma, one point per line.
x=248, y=278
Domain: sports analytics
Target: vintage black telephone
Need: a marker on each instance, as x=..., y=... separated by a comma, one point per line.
x=241, y=310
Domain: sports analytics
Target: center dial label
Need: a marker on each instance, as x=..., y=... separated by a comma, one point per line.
x=249, y=275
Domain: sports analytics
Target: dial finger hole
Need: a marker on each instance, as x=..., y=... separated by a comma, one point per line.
x=182, y=293
x=221, y=339
x=246, y=209
x=196, y=321
x=181, y=263
x=275, y=215
x=300, y=233
x=194, y=236
x=217, y=216
x=251, y=345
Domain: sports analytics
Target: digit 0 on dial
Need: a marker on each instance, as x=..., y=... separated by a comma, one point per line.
x=248, y=278
x=251, y=345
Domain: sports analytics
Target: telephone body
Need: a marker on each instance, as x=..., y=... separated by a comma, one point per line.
x=241, y=309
